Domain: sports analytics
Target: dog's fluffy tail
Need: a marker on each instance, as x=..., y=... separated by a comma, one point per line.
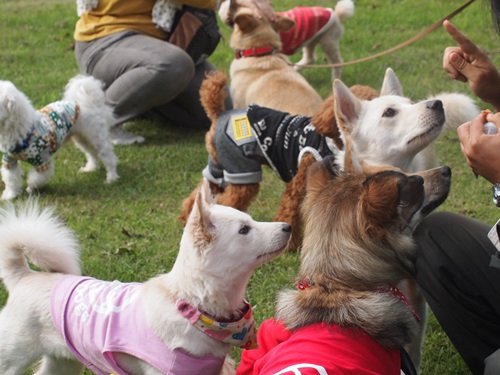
x=28, y=232
x=458, y=108
x=88, y=93
x=213, y=93
x=344, y=9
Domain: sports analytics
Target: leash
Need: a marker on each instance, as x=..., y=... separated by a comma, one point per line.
x=419, y=36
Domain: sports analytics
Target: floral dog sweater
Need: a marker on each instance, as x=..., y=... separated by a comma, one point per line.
x=45, y=137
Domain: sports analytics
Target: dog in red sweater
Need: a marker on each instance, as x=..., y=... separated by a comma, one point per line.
x=313, y=26
x=346, y=315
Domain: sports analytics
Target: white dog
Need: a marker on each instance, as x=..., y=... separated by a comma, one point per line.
x=33, y=136
x=188, y=317
x=392, y=130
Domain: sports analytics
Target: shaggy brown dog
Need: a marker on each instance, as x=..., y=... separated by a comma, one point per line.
x=213, y=92
x=357, y=247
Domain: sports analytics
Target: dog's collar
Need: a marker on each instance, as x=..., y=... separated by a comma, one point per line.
x=394, y=291
x=304, y=283
x=241, y=333
x=254, y=52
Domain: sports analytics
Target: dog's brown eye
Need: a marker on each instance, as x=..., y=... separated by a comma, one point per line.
x=389, y=112
x=244, y=229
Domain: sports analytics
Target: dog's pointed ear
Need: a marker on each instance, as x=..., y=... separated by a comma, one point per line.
x=246, y=22
x=346, y=106
x=347, y=110
x=206, y=192
x=282, y=23
x=200, y=220
x=391, y=84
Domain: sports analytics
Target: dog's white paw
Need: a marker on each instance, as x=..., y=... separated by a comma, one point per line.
x=111, y=177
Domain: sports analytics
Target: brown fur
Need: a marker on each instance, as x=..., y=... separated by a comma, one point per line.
x=356, y=242
x=213, y=93
x=268, y=80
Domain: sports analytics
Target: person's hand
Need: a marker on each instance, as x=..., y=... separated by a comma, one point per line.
x=262, y=8
x=468, y=63
x=481, y=150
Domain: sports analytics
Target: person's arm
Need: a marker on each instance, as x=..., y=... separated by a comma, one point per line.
x=468, y=63
x=481, y=151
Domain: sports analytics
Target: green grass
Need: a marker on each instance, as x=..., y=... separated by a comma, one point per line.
x=129, y=230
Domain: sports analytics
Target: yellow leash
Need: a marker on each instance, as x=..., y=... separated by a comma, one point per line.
x=407, y=42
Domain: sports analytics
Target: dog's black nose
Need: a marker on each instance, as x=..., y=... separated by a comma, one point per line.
x=434, y=104
x=286, y=228
x=446, y=171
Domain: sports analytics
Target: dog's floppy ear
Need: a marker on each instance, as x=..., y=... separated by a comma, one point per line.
x=10, y=104
x=391, y=84
x=246, y=22
x=282, y=23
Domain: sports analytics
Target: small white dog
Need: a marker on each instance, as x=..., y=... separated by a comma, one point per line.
x=187, y=318
x=34, y=136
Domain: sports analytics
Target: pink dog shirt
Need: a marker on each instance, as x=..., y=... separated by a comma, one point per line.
x=308, y=22
x=99, y=318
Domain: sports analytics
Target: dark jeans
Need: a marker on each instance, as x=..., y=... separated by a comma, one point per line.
x=461, y=288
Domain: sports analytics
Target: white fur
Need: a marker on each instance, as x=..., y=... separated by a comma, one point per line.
x=90, y=132
x=213, y=267
x=404, y=140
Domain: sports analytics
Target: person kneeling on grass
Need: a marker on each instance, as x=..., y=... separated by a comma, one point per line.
x=458, y=267
x=125, y=44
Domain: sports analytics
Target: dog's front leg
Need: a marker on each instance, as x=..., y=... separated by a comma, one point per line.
x=58, y=366
x=39, y=176
x=291, y=202
x=12, y=177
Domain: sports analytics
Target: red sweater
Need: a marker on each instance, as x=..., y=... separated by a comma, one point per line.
x=317, y=349
x=308, y=22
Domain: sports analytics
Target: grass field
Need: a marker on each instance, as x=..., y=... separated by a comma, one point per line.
x=129, y=230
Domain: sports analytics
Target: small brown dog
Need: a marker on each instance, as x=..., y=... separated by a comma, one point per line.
x=347, y=311
x=260, y=73
x=241, y=159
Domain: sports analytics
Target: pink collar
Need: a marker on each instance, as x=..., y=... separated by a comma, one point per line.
x=394, y=291
x=239, y=333
x=254, y=52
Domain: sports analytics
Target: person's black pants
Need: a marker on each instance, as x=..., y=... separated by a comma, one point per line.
x=463, y=291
